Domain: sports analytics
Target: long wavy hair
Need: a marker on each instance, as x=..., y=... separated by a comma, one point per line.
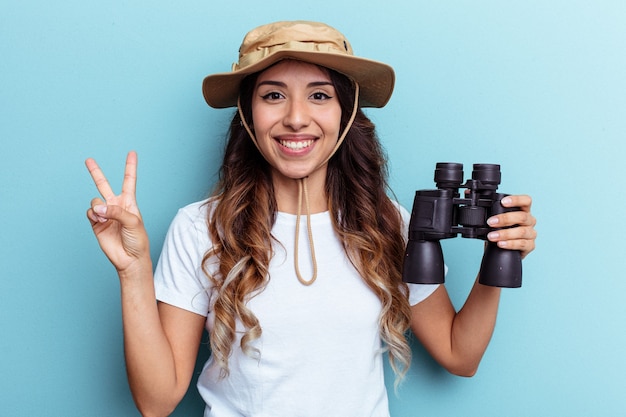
x=367, y=222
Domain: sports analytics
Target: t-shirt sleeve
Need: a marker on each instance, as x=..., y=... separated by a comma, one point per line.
x=179, y=279
x=417, y=292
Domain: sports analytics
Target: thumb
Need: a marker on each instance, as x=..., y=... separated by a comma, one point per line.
x=105, y=212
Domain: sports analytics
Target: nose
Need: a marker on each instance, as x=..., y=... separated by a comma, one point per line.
x=297, y=115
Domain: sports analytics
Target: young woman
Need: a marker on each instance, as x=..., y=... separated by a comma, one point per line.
x=294, y=263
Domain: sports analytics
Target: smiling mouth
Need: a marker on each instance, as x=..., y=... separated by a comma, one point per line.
x=296, y=144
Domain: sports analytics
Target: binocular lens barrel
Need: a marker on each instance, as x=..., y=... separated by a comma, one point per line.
x=487, y=174
x=448, y=175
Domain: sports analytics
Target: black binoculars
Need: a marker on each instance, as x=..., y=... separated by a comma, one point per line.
x=442, y=214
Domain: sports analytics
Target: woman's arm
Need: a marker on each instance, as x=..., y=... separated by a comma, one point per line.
x=160, y=341
x=160, y=346
x=458, y=340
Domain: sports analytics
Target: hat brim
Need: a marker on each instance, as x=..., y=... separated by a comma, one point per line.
x=376, y=79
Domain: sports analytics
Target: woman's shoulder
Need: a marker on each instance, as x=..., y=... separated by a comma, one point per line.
x=404, y=213
x=194, y=215
x=198, y=209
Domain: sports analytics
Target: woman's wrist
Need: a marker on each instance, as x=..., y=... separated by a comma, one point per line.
x=137, y=271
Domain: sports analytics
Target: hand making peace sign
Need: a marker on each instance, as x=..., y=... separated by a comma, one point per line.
x=116, y=220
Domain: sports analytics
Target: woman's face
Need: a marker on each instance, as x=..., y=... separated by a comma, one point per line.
x=296, y=117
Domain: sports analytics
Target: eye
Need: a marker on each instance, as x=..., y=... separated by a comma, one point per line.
x=272, y=95
x=320, y=96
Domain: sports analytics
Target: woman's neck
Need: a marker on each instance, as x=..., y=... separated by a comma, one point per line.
x=287, y=190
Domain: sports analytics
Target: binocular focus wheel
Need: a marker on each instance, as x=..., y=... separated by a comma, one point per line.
x=472, y=216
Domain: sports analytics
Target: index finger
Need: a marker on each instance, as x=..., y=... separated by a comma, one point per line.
x=102, y=184
x=130, y=174
x=522, y=201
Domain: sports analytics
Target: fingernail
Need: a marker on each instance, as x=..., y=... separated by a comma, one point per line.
x=502, y=244
x=100, y=209
x=492, y=221
x=506, y=201
x=493, y=235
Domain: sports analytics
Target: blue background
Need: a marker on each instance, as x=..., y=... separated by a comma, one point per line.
x=537, y=86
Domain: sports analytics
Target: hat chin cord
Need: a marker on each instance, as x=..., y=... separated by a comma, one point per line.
x=303, y=195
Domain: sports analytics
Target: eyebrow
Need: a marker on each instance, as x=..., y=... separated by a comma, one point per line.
x=282, y=84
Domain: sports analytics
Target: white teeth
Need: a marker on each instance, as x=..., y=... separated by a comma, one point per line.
x=296, y=144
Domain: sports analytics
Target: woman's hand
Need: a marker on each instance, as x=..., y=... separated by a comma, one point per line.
x=522, y=236
x=116, y=220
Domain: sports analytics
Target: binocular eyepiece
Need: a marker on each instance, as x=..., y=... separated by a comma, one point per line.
x=443, y=214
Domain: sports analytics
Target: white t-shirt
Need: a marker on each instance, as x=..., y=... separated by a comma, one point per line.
x=320, y=352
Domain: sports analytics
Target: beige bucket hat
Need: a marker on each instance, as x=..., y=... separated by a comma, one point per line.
x=312, y=42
